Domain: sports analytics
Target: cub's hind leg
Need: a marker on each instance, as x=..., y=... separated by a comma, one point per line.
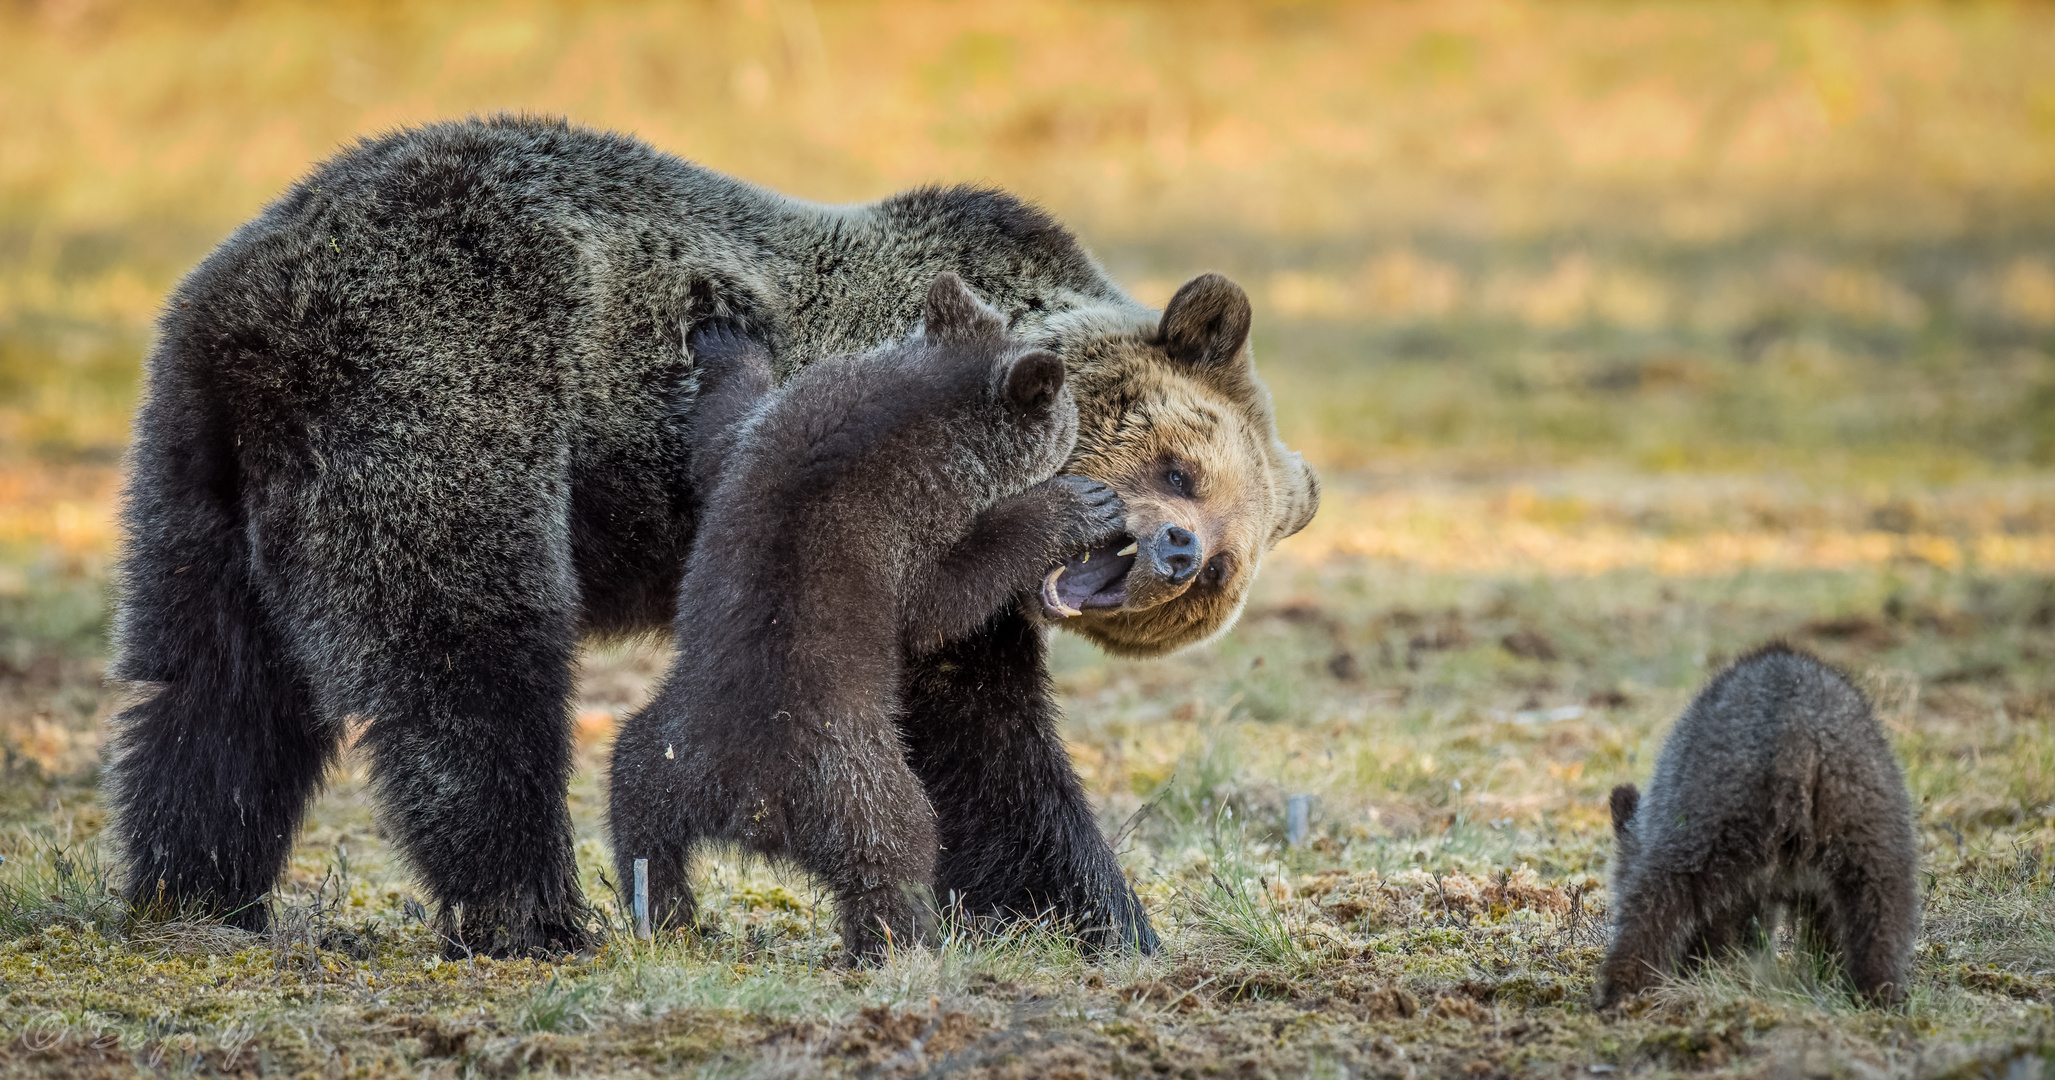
x=860, y=821
x=649, y=817
x=1871, y=911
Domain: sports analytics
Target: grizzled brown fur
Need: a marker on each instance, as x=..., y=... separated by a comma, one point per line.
x=420, y=425
x=1776, y=791
x=874, y=507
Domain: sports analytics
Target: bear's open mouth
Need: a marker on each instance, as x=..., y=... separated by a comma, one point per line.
x=1095, y=579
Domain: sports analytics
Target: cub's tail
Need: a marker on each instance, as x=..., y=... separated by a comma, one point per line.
x=1626, y=798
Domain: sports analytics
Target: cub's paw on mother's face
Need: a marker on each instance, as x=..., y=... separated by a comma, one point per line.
x=1096, y=514
x=1095, y=549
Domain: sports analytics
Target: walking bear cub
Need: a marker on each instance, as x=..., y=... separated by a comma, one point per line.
x=1775, y=791
x=873, y=509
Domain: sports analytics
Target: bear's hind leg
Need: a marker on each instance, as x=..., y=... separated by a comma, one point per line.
x=431, y=581
x=645, y=820
x=470, y=775
x=1019, y=838
x=859, y=820
x=208, y=776
x=1871, y=912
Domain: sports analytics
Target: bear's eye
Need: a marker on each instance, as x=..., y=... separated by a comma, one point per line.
x=1179, y=482
x=1215, y=572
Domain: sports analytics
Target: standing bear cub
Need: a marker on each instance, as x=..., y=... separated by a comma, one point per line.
x=874, y=508
x=1776, y=790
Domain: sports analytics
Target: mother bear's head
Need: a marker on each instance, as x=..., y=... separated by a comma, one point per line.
x=1178, y=423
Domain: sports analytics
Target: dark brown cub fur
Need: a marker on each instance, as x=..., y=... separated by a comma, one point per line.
x=1776, y=792
x=869, y=511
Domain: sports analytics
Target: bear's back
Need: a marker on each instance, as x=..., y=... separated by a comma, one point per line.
x=850, y=441
x=840, y=486
x=1772, y=742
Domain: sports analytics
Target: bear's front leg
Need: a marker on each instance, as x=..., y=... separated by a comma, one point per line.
x=1019, y=839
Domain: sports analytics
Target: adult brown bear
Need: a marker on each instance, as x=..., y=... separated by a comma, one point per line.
x=417, y=428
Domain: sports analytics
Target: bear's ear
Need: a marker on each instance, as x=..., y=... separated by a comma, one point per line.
x=1206, y=324
x=1301, y=496
x=954, y=313
x=1035, y=380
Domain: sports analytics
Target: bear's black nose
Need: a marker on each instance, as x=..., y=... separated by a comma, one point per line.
x=1175, y=553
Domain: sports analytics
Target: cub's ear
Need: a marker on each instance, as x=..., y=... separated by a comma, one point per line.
x=1206, y=324
x=955, y=313
x=1035, y=380
x=1626, y=799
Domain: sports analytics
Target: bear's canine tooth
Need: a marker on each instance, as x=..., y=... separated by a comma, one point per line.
x=1130, y=549
x=1054, y=601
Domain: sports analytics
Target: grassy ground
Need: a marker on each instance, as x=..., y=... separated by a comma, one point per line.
x=1625, y=337
x=1455, y=731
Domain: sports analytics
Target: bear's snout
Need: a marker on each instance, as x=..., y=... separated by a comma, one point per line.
x=1175, y=553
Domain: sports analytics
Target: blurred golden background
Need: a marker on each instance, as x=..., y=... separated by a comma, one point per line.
x=1556, y=288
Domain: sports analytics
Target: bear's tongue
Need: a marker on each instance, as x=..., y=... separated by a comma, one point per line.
x=1095, y=579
